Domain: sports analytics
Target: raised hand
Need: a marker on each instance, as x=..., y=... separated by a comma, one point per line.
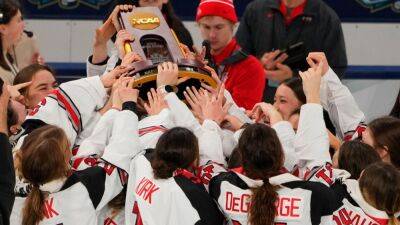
x=311, y=83
x=14, y=91
x=114, y=15
x=214, y=108
x=196, y=99
x=212, y=90
x=167, y=74
x=267, y=113
x=156, y=102
x=315, y=58
x=127, y=93
x=123, y=36
x=129, y=58
x=111, y=77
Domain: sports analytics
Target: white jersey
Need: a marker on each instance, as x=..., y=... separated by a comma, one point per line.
x=299, y=202
x=104, y=67
x=79, y=198
x=176, y=200
x=73, y=107
x=110, y=216
x=352, y=207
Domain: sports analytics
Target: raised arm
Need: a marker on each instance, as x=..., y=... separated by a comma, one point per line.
x=311, y=142
x=343, y=110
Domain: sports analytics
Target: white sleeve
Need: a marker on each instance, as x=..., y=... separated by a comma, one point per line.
x=114, y=164
x=99, y=139
x=237, y=134
x=71, y=106
x=210, y=144
x=228, y=142
x=152, y=127
x=181, y=115
x=286, y=136
x=311, y=140
x=112, y=61
x=94, y=70
x=341, y=105
x=124, y=141
x=235, y=110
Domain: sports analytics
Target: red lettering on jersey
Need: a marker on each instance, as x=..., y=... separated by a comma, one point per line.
x=109, y=221
x=207, y=172
x=326, y=174
x=346, y=217
x=237, y=204
x=288, y=207
x=146, y=189
x=49, y=211
x=284, y=209
x=37, y=107
x=136, y=211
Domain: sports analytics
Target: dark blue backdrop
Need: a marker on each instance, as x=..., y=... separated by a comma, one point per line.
x=348, y=10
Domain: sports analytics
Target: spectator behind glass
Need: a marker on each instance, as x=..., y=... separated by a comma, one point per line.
x=26, y=51
x=241, y=73
x=268, y=26
x=42, y=83
x=11, y=29
x=168, y=11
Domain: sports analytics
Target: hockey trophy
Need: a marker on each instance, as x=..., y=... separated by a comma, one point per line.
x=156, y=43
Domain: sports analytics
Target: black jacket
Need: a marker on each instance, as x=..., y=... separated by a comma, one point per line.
x=7, y=180
x=262, y=29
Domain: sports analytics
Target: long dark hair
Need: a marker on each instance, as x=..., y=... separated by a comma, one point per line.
x=296, y=85
x=380, y=186
x=386, y=134
x=43, y=159
x=355, y=156
x=262, y=158
x=176, y=149
x=9, y=8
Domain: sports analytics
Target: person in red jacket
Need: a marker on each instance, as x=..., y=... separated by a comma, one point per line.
x=242, y=74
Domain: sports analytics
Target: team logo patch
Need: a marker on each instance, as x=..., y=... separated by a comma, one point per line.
x=70, y=4
x=377, y=5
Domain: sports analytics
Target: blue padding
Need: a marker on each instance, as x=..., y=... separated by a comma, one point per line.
x=373, y=72
x=70, y=71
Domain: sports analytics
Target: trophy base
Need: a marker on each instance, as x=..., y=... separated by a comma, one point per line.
x=146, y=78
